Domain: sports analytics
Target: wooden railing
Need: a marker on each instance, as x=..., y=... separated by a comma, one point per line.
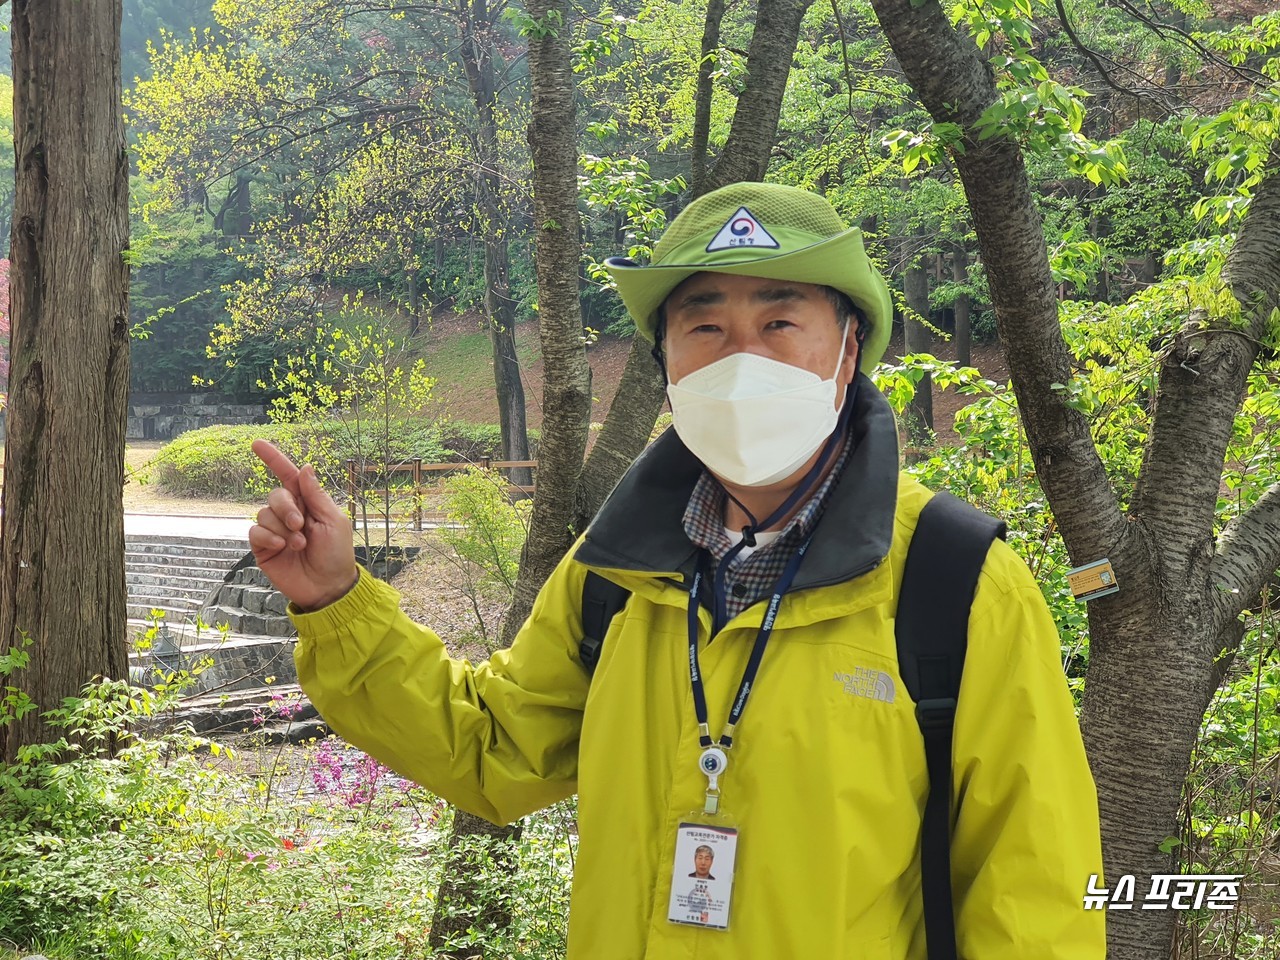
x=419, y=469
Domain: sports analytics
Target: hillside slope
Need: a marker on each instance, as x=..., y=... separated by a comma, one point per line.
x=458, y=355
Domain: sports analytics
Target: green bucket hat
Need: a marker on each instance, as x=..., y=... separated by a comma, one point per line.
x=759, y=230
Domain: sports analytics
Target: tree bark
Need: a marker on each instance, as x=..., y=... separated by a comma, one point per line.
x=963, y=307
x=62, y=533
x=1151, y=669
x=460, y=904
x=755, y=121
x=699, y=151
x=475, y=847
x=476, y=52
x=566, y=396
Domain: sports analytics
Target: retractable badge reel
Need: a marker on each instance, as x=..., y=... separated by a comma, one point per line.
x=713, y=762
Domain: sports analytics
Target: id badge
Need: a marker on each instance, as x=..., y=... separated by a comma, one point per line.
x=702, y=876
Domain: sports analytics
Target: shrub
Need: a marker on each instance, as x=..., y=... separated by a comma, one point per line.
x=217, y=462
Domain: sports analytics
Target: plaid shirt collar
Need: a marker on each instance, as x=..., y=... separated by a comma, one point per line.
x=751, y=577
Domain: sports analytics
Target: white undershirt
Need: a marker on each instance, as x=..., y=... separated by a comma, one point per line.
x=763, y=539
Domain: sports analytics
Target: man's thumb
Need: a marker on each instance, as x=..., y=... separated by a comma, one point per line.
x=318, y=502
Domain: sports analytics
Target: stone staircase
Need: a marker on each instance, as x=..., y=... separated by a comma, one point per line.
x=176, y=575
x=187, y=581
x=248, y=604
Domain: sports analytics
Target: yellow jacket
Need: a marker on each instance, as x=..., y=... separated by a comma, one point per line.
x=826, y=783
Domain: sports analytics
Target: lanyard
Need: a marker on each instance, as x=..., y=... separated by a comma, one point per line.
x=714, y=759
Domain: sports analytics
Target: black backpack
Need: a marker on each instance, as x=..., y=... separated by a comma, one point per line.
x=944, y=561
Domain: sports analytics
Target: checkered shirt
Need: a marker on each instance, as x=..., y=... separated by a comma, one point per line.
x=749, y=579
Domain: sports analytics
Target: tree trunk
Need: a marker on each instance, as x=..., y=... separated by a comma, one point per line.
x=413, y=292
x=506, y=365
x=917, y=338
x=233, y=220
x=755, y=121
x=476, y=846
x=699, y=152
x=963, y=307
x=62, y=533
x=476, y=51
x=636, y=405
x=566, y=396
x=745, y=157
x=1153, y=645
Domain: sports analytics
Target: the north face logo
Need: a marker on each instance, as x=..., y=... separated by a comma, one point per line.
x=865, y=682
x=742, y=230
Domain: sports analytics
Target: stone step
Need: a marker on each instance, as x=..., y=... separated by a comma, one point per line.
x=251, y=598
x=162, y=592
x=152, y=562
x=219, y=549
x=255, y=711
x=164, y=595
x=188, y=637
x=198, y=580
x=229, y=543
x=234, y=663
x=169, y=611
x=242, y=621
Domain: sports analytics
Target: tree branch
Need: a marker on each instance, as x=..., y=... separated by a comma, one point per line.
x=1248, y=550
x=1096, y=59
x=702, y=100
x=1202, y=378
x=745, y=156
x=755, y=121
x=1248, y=556
x=955, y=85
x=1160, y=29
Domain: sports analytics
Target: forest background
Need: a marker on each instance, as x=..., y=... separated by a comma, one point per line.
x=343, y=173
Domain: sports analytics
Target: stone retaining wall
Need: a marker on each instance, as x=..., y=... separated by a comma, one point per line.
x=163, y=416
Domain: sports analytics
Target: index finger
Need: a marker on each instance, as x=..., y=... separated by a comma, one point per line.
x=286, y=470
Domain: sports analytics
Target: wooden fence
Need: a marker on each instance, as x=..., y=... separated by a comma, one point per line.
x=355, y=474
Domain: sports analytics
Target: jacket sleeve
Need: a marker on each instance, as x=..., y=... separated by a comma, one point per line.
x=1027, y=835
x=498, y=739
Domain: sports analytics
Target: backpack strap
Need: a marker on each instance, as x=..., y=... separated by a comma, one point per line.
x=601, y=600
x=944, y=560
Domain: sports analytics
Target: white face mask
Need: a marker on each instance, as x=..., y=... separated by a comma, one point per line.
x=752, y=420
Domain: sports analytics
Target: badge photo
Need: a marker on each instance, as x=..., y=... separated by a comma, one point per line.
x=702, y=875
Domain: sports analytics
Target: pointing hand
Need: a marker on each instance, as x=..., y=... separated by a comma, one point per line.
x=302, y=540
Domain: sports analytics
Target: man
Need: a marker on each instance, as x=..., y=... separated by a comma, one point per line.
x=763, y=542
x=702, y=859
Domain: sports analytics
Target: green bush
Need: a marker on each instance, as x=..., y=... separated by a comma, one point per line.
x=217, y=462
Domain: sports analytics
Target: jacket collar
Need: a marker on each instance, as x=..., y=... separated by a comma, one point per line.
x=640, y=528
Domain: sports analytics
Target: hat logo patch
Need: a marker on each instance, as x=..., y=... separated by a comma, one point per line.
x=742, y=230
